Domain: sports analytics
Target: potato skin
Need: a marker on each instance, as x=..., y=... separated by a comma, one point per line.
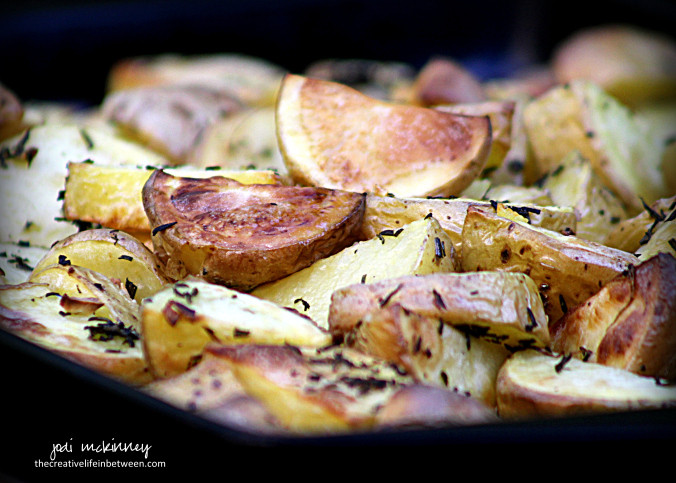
x=568, y=270
x=629, y=324
x=243, y=236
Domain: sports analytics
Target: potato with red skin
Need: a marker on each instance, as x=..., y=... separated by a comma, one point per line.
x=243, y=236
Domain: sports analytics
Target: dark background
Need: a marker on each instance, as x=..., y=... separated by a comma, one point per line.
x=63, y=49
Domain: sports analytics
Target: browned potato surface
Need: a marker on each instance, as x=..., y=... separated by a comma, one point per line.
x=629, y=324
x=334, y=136
x=566, y=269
x=243, y=236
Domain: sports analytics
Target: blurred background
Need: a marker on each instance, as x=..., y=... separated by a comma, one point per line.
x=63, y=49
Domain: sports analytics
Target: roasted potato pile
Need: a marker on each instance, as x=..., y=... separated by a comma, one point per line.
x=358, y=247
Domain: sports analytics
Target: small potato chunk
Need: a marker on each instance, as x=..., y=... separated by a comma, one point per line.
x=99, y=329
x=418, y=248
x=113, y=253
x=333, y=136
x=179, y=321
x=629, y=324
x=567, y=269
x=245, y=235
x=532, y=384
x=315, y=391
x=11, y=114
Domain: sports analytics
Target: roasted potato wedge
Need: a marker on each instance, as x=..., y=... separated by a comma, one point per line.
x=567, y=269
x=315, y=391
x=629, y=324
x=437, y=354
x=99, y=329
x=500, y=307
x=420, y=247
x=574, y=183
x=243, y=236
x=533, y=384
x=389, y=213
x=624, y=152
x=35, y=173
x=115, y=254
x=333, y=136
x=111, y=196
x=179, y=321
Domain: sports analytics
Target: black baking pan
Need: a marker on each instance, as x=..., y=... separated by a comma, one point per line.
x=63, y=50
x=48, y=400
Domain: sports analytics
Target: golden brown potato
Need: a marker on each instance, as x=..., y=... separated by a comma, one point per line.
x=533, y=384
x=629, y=324
x=567, y=269
x=635, y=65
x=243, y=236
x=500, y=114
x=179, y=321
x=333, y=136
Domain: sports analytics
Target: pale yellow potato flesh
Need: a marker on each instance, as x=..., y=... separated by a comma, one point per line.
x=421, y=247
